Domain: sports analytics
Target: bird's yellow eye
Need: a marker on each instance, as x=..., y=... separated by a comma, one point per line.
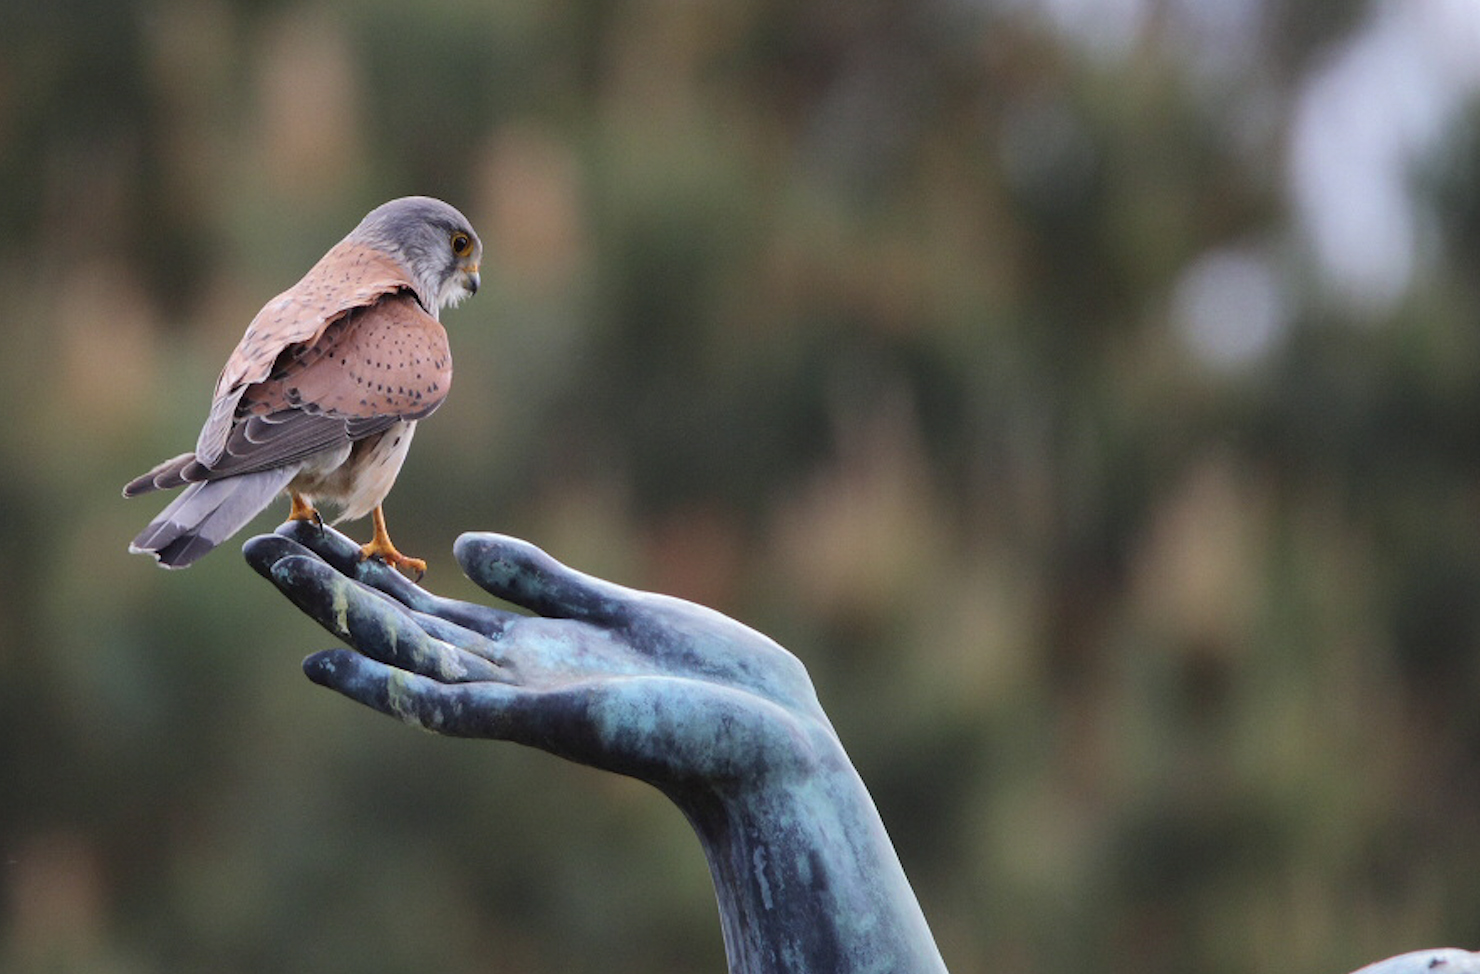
x=462, y=244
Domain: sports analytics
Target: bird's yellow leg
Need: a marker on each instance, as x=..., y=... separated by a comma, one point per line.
x=302, y=510
x=380, y=547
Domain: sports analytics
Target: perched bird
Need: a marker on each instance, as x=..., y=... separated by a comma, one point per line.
x=325, y=389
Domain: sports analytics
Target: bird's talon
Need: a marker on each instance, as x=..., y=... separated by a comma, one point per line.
x=389, y=556
x=380, y=547
x=302, y=510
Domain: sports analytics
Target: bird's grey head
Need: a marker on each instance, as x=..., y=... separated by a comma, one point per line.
x=434, y=241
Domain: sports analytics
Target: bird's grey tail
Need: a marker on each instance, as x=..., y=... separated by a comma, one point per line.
x=206, y=514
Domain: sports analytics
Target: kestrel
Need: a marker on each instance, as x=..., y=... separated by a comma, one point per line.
x=326, y=387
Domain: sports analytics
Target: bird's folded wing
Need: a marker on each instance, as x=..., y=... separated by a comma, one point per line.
x=350, y=275
x=370, y=369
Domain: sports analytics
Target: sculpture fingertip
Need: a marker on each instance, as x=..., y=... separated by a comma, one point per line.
x=264, y=551
x=472, y=546
x=295, y=529
x=327, y=668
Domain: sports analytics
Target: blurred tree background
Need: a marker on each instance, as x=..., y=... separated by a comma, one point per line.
x=1086, y=390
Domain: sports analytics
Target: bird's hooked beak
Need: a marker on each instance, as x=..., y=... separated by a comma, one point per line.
x=470, y=278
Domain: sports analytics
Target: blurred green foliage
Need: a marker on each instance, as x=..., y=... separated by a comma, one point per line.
x=857, y=322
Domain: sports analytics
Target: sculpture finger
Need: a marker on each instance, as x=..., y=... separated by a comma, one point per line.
x=467, y=639
x=648, y=728
x=344, y=554
x=373, y=623
x=523, y=574
x=498, y=711
x=265, y=552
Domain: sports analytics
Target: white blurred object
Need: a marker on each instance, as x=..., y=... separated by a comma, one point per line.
x=1230, y=307
x=1440, y=960
x=1378, y=105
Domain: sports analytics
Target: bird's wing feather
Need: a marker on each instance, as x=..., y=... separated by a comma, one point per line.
x=351, y=275
x=371, y=368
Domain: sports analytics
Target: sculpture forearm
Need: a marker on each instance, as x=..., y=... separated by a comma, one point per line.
x=807, y=879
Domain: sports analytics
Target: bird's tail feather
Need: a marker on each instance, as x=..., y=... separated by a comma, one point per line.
x=175, y=472
x=206, y=514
